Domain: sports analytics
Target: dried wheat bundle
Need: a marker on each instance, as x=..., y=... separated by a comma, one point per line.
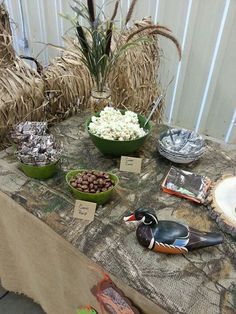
x=7, y=54
x=21, y=96
x=67, y=84
x=134, y=81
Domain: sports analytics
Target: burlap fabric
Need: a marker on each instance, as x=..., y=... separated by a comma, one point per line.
x=37, y=262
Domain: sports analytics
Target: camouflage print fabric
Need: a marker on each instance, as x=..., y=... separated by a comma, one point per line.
x=203, y=281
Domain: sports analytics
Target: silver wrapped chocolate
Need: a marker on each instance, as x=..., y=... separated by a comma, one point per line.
x=181, y=145
x=24, y=130
x=39, y=150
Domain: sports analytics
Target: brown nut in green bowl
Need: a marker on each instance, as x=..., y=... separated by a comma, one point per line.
x=92, y=185
x=92, y=181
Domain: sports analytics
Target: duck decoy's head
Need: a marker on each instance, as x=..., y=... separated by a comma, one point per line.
x=146, y=215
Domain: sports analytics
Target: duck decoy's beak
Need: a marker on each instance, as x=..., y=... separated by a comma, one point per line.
x=129, y=218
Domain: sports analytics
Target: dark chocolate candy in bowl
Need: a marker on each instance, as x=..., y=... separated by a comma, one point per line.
x=24, y=130
x=39, y=151
x=39, y=156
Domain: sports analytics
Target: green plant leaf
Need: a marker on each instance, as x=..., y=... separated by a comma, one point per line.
x=95, y=41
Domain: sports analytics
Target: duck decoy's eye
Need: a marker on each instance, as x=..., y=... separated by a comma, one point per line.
x=140, y=216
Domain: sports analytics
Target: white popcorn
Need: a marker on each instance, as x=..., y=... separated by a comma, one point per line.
x=113, y=125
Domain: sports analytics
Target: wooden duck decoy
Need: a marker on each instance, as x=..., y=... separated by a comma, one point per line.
x=169, y=237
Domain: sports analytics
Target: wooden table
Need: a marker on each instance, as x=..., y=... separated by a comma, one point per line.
x=202, y=281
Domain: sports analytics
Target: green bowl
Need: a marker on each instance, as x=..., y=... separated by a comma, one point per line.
x=99, y=198
x=115, y=147
x=39, y=172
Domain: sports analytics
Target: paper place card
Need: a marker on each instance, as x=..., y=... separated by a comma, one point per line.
x=130, y=164
x=84, y=210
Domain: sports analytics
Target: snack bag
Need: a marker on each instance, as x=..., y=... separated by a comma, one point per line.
x=112, y=300
x=186, y=184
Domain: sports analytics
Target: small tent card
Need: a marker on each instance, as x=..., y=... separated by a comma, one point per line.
x=84, y=210
x=130, y=164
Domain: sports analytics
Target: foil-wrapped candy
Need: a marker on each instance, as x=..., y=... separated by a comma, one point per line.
x=24, y=130
x=39, y=150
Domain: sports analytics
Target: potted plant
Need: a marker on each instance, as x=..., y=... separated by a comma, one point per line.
x=98, y=49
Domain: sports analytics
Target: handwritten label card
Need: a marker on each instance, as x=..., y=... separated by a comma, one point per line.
x=130, y=164
x=84, y=210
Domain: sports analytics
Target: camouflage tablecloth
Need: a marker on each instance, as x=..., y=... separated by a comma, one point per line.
x=202, y=281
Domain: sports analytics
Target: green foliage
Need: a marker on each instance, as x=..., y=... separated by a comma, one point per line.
x=95, y=40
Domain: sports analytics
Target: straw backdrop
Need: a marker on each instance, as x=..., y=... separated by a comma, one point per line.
x=22, y=96
x=67, y=84
x=21, y=88
x=58, y=91
x=7, y=53
x=134, y=81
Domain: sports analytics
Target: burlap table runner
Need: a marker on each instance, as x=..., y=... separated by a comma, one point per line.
x=37, y=262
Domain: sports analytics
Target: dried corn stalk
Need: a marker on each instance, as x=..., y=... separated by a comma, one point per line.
x=134, y=81
x=21, y=96
x=7, y=54
x=67, y=84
